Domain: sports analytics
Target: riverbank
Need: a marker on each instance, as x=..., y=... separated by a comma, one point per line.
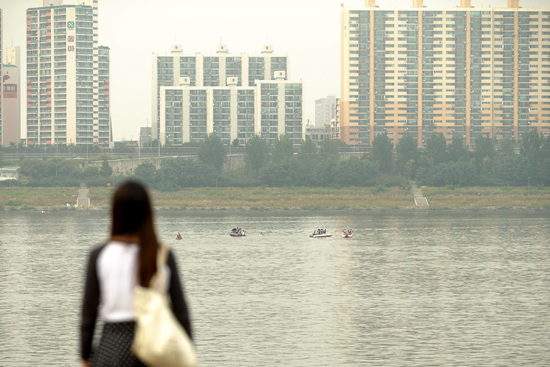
x=266, y=198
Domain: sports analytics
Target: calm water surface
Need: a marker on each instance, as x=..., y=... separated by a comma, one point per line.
x=410, y=289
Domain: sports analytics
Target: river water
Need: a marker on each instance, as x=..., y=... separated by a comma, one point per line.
x=409, y=289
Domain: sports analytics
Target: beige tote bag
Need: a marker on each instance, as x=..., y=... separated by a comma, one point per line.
x=160, y=340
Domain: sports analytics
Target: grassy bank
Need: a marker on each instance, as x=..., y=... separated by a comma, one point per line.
x=356, y=198
x=488, y=197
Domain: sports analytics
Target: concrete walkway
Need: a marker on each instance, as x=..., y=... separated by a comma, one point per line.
x=419, y=200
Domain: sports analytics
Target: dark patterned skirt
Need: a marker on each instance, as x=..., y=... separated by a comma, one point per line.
x=114, y=346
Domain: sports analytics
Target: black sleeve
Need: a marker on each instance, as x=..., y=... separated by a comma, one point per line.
x=90, y=304
x=175, y=289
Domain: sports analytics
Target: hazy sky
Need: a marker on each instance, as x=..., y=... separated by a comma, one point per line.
x=307, y=30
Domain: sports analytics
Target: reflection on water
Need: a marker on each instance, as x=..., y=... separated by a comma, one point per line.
x=409, y=289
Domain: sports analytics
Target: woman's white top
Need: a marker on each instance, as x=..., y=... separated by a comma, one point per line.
x=117, y=266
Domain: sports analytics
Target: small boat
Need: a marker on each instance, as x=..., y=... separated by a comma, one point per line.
x=320, y=233
x=237, y=232
x=347, y=232
x=323, y=235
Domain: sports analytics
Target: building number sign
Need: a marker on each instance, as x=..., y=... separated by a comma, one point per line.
x=70, y=39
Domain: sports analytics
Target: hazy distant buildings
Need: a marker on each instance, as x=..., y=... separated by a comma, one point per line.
x=11, y=96
x=144, y=136
x=464, y=71
x=67, y=75
x=318, y=134
x=232, y=96
x=335, y=122
x=325, y=108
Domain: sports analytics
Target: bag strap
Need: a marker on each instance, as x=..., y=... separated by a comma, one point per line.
x=158, y=281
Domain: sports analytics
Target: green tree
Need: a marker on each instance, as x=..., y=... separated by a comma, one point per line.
x=282, y=149
x=382, y=152
x=535, y=148
x=146, y=172
x=436, y=149
x=278, y=174
x=212, y=152
x=451, y=173
x=407, y=156
x=33, y=168
x=255, y=155
x=506, y=147
x=106, y=170
x=329, y=151
x=308, y=148
x=531, y=146
x=90, y=172
x=484, y=153
x=69, y=170
x=308, y=164
x=512, y=169
x=457, y=149
x=356, y=172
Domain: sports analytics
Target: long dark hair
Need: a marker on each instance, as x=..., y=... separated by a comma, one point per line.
x=132, y=214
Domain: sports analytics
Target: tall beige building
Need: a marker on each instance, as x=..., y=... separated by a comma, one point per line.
x=464, y=71
x=11, y=96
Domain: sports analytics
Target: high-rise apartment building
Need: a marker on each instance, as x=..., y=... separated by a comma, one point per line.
x=461, y=71
x=1, y=81
x=269, y=109
x=11, y=96
x=190, y=113
x=67, y=75
x=325, y=108
x=279, y=109
x=211, y=70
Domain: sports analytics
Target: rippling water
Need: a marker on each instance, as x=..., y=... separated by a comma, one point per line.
x=410, y=289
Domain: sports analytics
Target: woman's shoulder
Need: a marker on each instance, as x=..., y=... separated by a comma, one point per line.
x=96, y=250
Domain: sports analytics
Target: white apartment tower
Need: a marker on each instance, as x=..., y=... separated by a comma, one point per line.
x=199, y=72
x=67, y=75
x=325, y=109
x=269, y=109
x=189, y=113
x=1, y=82
x=279, y=109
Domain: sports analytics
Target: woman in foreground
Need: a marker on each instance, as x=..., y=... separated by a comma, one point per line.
x=114, y=269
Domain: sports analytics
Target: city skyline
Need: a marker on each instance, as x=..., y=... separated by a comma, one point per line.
x=134, y=30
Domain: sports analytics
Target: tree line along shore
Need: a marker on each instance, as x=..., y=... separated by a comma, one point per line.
x=277, y=198
x=496, y=174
